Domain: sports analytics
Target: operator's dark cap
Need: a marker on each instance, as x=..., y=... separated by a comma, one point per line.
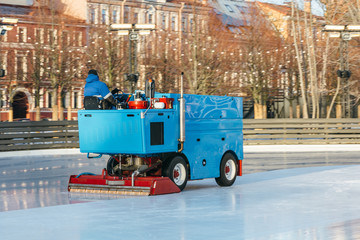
x=93, y=71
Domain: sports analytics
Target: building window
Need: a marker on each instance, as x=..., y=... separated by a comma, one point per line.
x=92, y=15
x=22, y=34
x=203, y=26
x=52, y=38
x=103, y=16
x=163, y=22
x=42, y=61
x=78, y=39
x=114, y=16
x=49, y=102
x=126, y=15
x=65, y=38
x=3, y=60
x=191, y=25
x=21, y=67
x=1, y=99
x=39, y=35
x=75, y=100
x=183, y=24
x=173, y=23
x=150, y=18
x=136, y=17
x=229, y=8
x=63, y=100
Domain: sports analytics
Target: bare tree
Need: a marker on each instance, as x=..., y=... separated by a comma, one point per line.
x=107, y=54
x=262, y=57
x=296, y=32
x=163, y=63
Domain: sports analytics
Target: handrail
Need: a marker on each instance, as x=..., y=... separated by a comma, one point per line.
x=64, y=134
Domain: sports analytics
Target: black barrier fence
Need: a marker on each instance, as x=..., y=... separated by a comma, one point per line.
x=64, y=134
x=301, y=131
x=38, y=135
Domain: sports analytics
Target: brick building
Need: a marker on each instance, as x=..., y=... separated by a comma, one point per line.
x=24, y=49
x=75, y=20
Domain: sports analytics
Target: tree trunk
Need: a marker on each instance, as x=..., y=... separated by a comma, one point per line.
x=11, y=114
x=55, y=113
x=327, y=110
x=60, y=105
x=297, y=51
x=258, y=111
x=69, y=112
x=312, y=65
x=291, y=110
x=335, y=96
x=264, y=111
x=338, y=111
x=298, y=111
x=37, y=114
x=54, y=106
x=61, y=113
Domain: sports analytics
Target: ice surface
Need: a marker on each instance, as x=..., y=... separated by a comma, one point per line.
x=306, y=203
x=298, y=203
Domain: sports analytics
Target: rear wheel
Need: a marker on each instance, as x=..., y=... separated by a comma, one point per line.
x=228, y=170
x=111, y=166
x=176, y=169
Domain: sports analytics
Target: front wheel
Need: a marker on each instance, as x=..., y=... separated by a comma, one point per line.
x=228, y=170
x=176, y=169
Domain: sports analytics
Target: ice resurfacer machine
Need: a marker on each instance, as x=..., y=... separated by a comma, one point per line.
x=156, y=142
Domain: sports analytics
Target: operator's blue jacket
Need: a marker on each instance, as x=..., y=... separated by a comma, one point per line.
x=95, y=88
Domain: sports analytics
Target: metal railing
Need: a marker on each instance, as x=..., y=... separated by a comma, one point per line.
x=302, y=131
x=38, y=135
x=64, y=134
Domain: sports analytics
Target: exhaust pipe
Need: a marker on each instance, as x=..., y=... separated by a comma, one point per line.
x=182, y=114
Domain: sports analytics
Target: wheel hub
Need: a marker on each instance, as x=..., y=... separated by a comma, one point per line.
x=179, y=174
x=230, y=169
x=176, y=174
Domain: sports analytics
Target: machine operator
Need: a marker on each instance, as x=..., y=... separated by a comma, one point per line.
x=96, y=93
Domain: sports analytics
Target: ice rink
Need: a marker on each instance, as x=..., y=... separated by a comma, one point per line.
x=287, y=192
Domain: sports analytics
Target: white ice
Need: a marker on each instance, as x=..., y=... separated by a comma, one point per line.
x=301, y=203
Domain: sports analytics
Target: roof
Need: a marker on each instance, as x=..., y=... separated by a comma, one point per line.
x=30, y=12
x=231, y=13
x=285, y=9
x=10, y=10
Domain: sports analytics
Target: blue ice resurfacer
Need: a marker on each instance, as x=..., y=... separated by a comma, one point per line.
x=157, y=142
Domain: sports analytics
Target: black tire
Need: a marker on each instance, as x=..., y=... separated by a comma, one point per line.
x=228, y=170
x=176, y=169
x=110, y=166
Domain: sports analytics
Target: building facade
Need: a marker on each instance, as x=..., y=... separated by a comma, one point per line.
x=25, y=55
x=25, y=90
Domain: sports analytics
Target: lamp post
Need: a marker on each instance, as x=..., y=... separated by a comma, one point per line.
x=345, y=33
x=283, y=71
x=133, y=31
x=6, y=24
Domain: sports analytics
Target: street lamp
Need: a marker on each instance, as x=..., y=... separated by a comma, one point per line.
x=6, y=24
x=346, y=33
x=133, y=30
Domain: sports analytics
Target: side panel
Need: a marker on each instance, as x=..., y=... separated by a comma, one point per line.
x=165, y=141
x=213, y=126
x=208, y=140
x=110, y=131
x=213, y=107
x=125, y=132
